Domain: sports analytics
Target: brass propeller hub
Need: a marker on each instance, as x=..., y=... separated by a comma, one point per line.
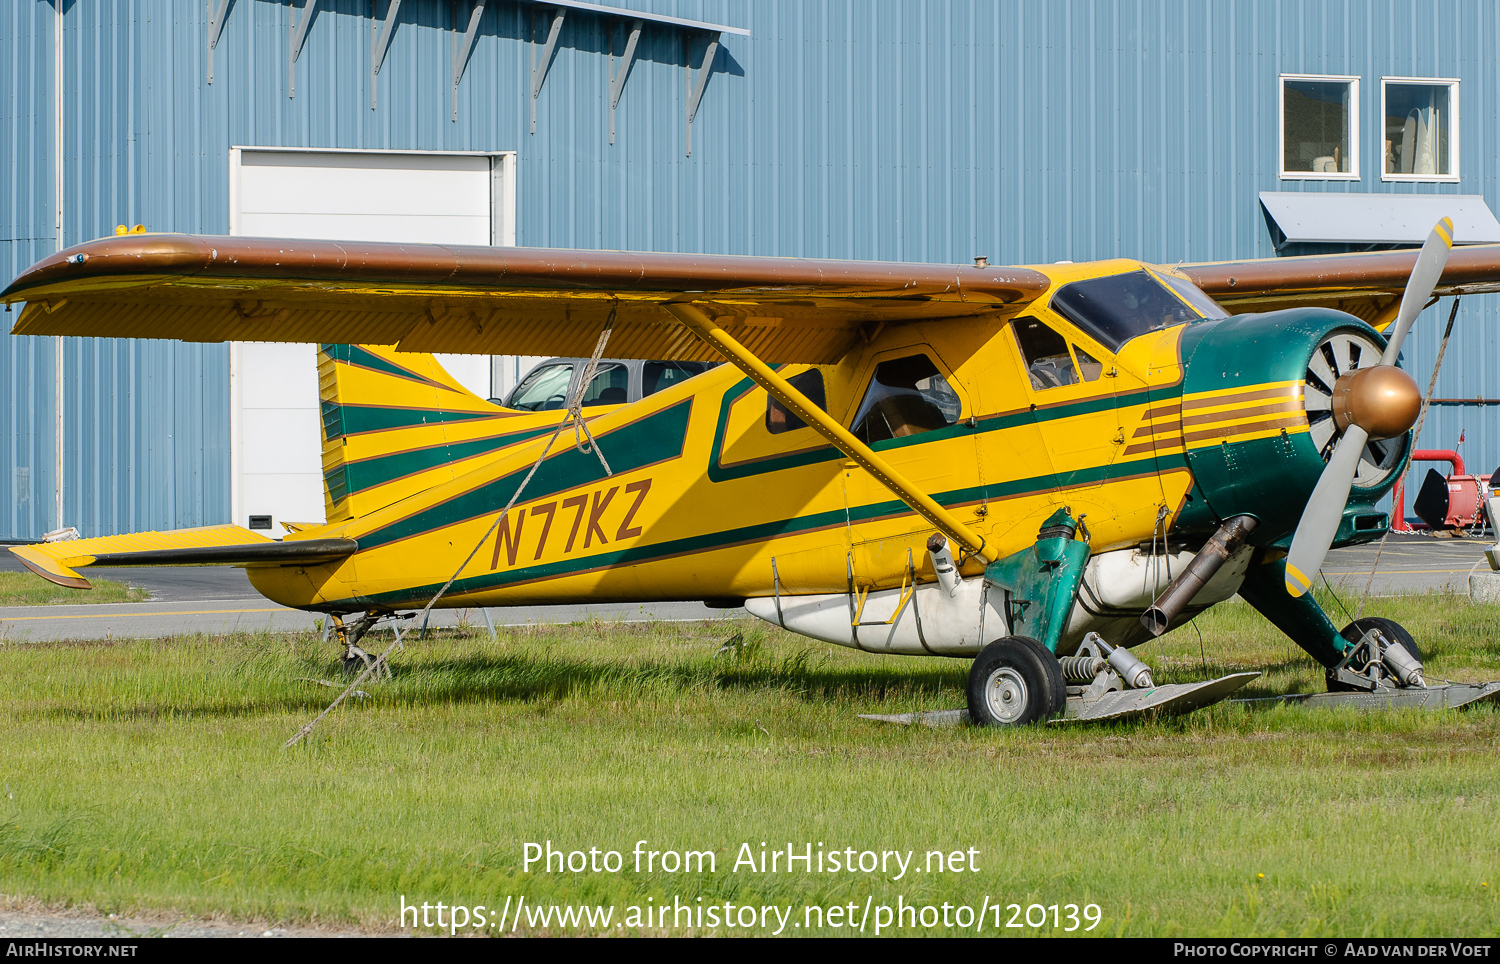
x=1383, y=400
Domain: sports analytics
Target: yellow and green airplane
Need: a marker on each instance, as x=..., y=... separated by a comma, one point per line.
x=1011, y=464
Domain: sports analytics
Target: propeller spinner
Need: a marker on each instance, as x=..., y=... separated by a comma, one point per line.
x=1378, y=402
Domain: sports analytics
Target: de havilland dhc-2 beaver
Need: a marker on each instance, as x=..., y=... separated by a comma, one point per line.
x=1034, y=467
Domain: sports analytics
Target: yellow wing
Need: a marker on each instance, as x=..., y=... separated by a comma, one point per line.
x=526, y=301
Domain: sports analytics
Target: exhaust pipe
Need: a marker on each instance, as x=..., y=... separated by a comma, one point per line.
x=1214, y=554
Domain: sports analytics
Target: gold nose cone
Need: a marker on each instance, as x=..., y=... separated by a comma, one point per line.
x=1382, y=400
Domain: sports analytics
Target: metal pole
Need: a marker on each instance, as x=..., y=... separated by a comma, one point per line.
x=59, y=417
x=695, y=320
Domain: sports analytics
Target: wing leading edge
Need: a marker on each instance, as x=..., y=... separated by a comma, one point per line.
x=1365, y=284
x=529, y=301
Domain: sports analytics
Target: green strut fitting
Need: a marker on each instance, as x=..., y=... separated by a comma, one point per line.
x=1041, y=581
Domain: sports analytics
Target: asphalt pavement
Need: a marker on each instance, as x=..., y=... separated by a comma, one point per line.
x=220, y=600
x=1408, y=563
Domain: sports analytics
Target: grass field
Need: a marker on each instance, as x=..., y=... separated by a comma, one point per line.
x=143, y=776
x=29, y=589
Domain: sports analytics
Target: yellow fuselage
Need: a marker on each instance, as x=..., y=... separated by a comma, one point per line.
x=704, y=497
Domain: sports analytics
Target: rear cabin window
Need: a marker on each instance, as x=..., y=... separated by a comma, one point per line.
x=907, y=396
x=779, y=418
x=1123, y=306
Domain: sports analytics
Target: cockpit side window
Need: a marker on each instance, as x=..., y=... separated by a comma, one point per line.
x=1048, y=363
x=907, y=396
x=1120, y=307
x=1088, y=365
x=1194, y=295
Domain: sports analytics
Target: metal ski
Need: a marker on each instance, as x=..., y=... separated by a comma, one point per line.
x=1448, y=697
x=1171, y=699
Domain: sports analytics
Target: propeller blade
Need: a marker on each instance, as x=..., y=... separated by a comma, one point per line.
x=1324, y=510
x=1424, y=277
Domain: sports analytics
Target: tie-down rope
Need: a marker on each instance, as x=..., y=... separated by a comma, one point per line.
x=580, y=433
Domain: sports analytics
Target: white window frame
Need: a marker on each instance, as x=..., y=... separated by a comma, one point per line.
x=1453, y=116
x=1354, y=109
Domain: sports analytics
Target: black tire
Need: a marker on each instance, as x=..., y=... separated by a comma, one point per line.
x=1389, y=628
x=1015, y=681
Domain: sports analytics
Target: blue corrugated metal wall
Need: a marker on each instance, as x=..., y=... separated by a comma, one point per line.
x=27, y=365
x=894, y=129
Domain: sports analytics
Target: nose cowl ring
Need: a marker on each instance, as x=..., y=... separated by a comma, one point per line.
x=1383, y=400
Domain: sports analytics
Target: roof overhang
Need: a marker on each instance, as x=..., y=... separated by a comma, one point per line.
x=1345, y=218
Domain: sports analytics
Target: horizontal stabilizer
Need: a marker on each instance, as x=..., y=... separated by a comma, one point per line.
x=226, y=545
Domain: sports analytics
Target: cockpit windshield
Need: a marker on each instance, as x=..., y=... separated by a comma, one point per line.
x=1120, y=307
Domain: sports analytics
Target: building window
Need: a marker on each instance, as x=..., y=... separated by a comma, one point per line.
x=1419, y=129
x=1319, y=127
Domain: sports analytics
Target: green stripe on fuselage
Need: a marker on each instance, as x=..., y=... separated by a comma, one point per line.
x=989, y=423
x=357, y=419
x=655, y=438
x=378, y=470
x=355, y=355
x=751, y=533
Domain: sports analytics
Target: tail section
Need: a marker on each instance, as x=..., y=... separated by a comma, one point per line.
x=395, y=423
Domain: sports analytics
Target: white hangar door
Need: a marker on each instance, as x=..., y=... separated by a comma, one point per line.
x=447, y=198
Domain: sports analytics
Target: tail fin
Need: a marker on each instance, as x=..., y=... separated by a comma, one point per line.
x=395, y=423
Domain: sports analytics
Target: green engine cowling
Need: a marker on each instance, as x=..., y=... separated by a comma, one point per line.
x=1271, y=478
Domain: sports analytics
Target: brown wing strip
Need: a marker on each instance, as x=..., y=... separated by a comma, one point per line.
x=1470, y=268
x=438, y=298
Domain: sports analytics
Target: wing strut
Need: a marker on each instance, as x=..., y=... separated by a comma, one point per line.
x=700, y=324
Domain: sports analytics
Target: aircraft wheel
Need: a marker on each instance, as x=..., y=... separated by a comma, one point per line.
x=1015, y=681
x=1389, y=628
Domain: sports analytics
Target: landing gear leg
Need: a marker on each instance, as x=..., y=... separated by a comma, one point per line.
x=356, y=660
x=1300, y=617
x=1369, y=655
x=1382, y=654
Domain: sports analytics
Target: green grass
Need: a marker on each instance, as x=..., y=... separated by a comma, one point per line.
x=149, y=776
x=29, y=589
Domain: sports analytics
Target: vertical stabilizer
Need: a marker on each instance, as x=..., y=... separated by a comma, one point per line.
x=395, y=423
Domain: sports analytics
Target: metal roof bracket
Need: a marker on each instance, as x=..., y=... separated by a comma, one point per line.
x=298, y=27
x=381, y=32
x=461, y=50
x=617, y=76
x=695, y=96
x=216, y=14
x=539, y=70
